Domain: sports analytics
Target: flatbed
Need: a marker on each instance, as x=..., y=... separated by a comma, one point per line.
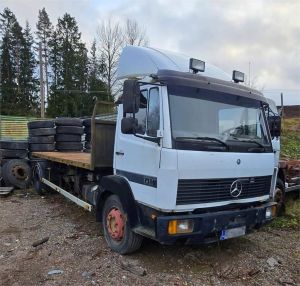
x=76, y=159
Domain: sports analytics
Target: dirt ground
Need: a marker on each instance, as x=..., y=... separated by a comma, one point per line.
x=76, y=248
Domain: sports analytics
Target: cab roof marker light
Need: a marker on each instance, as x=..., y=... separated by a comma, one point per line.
x=197, y=65
x=238, y=76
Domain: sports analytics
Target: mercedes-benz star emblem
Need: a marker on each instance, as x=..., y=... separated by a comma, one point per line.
x=236, y=189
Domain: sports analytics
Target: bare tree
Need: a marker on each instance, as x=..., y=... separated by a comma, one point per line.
x=134, y=35
x=110, y=38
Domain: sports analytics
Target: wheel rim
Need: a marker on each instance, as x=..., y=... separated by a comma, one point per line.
x=19, y=172
x=115, y=224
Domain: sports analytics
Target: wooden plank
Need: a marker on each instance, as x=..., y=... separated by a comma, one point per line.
x=77, y=159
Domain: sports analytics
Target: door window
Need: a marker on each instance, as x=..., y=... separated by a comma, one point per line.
x=153, y=112
x=141, y=115
x=148, y=114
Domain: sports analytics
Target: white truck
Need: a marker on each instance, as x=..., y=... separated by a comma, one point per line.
x=189, y=158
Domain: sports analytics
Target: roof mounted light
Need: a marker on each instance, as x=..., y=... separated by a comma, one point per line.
x=197, y=65
x=238, y=76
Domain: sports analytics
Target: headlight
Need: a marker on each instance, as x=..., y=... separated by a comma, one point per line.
x=270, y=212
x=180, y=226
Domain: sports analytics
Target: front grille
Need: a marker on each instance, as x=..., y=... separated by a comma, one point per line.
x=194, y=191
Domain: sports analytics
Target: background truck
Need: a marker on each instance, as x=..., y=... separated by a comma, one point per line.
x=189, y=157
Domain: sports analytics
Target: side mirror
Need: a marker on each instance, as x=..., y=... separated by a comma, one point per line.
x=131, y=96
x=274, y=125
x=129, y=125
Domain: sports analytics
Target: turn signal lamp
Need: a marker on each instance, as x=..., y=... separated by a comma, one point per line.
x=238, y=76
x=197, y=65
x=180, y=226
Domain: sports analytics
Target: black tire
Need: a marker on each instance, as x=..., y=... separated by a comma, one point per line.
x=69, y=130
x=36, y=160
x=13, y=154
x=41, y=132
x=130, y=241
x=279, y=197
x=88, y=130
x=1, y=179
x=4, y=161
x=42, y=147
x=40, y=124
x=68, y=138
x=17, y=173
x=13, y=145
x=87, y=145
x=69, y=146
x=67, y=121
x=87, y=122
x=41, y=139
x=88, y=137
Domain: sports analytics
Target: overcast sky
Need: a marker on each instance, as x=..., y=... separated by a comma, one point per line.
x=226, y=33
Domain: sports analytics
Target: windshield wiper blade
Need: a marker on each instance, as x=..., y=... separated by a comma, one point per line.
x=251, y=141
x=205, y=138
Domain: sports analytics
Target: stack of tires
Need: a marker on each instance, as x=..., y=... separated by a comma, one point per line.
x=14, y=167
x=69, y=133
x=88, y=134
x=41, y=135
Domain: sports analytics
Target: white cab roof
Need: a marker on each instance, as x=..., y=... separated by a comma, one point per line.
x=141, y=61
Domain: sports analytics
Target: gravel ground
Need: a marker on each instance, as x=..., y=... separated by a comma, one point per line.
x=76, y=248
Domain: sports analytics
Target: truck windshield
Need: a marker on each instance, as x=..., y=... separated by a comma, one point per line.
x=217, y=118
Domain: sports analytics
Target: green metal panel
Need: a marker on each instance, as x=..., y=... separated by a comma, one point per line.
x=14, y=127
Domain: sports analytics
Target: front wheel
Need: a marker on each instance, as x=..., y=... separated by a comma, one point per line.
x=279, y=197
x=117, y=232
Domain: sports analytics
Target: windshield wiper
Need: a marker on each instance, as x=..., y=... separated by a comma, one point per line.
x=251, y=141
x=205, y=138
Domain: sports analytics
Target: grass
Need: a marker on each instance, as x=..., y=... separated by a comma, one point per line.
x=290, y=149
x=291, y=218
x=290, y=139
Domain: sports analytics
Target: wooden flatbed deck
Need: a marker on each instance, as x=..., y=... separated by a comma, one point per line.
x=77, y=159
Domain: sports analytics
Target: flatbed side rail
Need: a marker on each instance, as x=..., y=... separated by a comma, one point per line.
x=69, y=196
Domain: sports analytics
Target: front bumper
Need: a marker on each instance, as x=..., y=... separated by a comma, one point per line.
x=209, y=226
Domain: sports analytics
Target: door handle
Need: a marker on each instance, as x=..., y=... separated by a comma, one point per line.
x=119, y=153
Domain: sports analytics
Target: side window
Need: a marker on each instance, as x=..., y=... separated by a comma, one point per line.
x=153, y=112
x=142, y=113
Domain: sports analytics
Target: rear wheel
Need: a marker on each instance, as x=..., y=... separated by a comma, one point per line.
x=117, y=232
x=279, y=197
x=38, y=174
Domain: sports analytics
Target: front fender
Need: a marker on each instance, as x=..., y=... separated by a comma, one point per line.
x=119, y=186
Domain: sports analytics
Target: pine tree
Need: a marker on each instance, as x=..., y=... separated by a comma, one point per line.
x=12, y=41
x=68, y=61
x=28, y=81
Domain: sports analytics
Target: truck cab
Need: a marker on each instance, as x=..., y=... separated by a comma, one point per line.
x=194, y=149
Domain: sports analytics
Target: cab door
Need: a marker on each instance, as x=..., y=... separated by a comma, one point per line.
x=137, y=156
